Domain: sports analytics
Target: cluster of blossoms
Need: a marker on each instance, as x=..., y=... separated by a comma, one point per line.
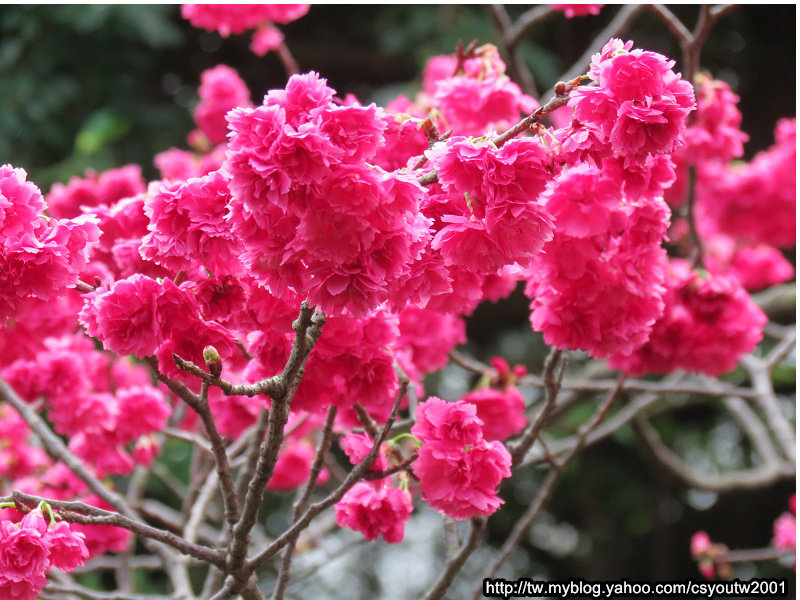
x=312, y=213
x=101, y=405
x=30, y=548
x=710, y=556
x=41, y=257
x=227, y=19
x=744, y=211
x=706, y=554
x=708, y=324
x=578, y=10
x=373, y=508
x=307, y=196
x=458, y=469
x=785, y=528
x=500, y=405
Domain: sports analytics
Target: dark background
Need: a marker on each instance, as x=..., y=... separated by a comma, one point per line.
x=101, y=86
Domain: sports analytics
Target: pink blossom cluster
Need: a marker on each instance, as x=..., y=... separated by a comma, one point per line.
x=755, y=202
x=188, y=225
x=459, y=470
x=785, y=527
x=578, y=10
x=473, y=96
x=102, y=406
x=59, y=483
x=709, y=322
x=93, y=190
x=488, y=210
x=714, y=134
x=30, y=548
x=599, y=283
x=373, y=508
x=704, y=552
x=501, y=406
x=227, y=19
x=638, y=104
x=221, y=89
x=313, y=214
x=732, y=245
x=41, y=258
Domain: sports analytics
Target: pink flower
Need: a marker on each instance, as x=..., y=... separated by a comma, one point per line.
x=598, y=284
x=294, y=466
x=447, y=425
x=462, y=483
x=578, y=10
x=357, y=445
x=21, y=204
x=639, y=104
x=501, y=410
x=707, y=325
x=221, y=89
x=714, y=133
x=24, y=552
x=373, y=512
x=124, y=317
x=67, y=548
x=188, y=225
x=107, y=188
x=142, y=410
x=237, y=18
x=426, y=338
x=753, y=202
x=704, y=552
x=785, y=531
x=756, y=267
x=266, y=39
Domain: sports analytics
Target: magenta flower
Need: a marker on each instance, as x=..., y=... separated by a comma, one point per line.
x=375, y=512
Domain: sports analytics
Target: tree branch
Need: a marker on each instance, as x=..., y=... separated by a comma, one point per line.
x=456, y=563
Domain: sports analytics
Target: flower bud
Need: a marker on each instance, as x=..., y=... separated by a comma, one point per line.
x=213, y=361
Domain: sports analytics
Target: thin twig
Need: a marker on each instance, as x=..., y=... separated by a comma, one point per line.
x=552, y=382
x=548, y=486
x=302, y=502
x=456, y=563
x=79, y=512
x=744, y=479
x=557, y=101
x=352, y=478
x=617, y=27
x=308, y=328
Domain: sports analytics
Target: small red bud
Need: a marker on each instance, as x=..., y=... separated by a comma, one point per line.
x=561, y=88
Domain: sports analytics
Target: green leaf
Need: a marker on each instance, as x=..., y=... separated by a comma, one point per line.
x=101, y=129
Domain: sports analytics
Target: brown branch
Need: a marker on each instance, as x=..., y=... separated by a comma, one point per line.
x=752, y=555
x=548, y=487
x=287, y=60
x=358, y=473
x=274, y=387
x=744, y=479
x=456, y=563
x=617, y=27
x=518, y=71
x=302, y=502
x=552, y=382
x=769, y=405
x=308, y=328
x=85, y=514
x=529, y=19
x=199, y=403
